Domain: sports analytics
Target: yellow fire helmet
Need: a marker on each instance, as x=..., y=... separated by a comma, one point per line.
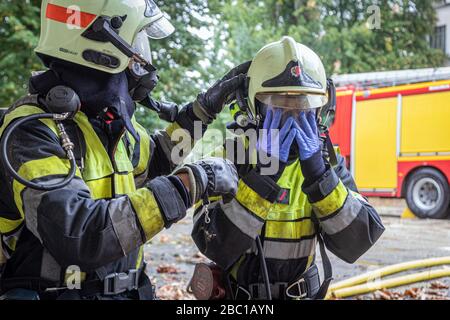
x=286, y=74
x=107, y=35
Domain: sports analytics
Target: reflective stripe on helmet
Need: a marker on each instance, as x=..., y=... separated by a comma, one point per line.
x=71, y=15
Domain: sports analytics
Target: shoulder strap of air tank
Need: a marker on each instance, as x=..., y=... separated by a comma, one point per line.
x=326, y=263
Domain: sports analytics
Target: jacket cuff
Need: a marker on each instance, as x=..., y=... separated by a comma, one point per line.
x=322, y=187
x=313, y=168
x=171, y=204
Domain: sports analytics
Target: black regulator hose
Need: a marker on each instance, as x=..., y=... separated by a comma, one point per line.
x=66, y=144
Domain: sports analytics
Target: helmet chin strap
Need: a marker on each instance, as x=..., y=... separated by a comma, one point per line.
x=103, y=27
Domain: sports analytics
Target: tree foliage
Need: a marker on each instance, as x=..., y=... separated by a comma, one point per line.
x=340, y=31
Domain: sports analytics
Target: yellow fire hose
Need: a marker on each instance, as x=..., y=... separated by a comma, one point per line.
x=353, y=286
x=390, y=283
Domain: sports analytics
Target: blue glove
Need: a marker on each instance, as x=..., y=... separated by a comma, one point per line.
x=307, y=136
x=274, y=142
x=310, y=148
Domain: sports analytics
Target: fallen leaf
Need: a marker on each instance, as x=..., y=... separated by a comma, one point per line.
x=438, y=285
x=167, y=269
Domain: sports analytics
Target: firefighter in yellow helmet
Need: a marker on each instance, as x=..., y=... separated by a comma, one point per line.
x=291, y=198
x=83, y=238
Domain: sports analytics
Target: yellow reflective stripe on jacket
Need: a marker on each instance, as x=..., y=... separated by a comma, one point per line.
x=144, y=147
x=290, y=230
x=140, y=257
x=100, y=188
x=124, y=183
x=147, y=210
x=171, y=128
x=23, y=111
x=97, y=162
x=31, y=170
x=331, y=203
x=252, y=201
x=121, y=158
x=103, y=188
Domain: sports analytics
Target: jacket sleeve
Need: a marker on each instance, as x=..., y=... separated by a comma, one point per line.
x=349, y=224
x=75, y=228
x=226, y=230
x=172, y=145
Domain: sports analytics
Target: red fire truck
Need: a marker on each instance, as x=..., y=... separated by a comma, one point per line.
x=394, y=130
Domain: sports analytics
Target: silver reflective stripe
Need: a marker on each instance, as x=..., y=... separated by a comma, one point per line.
x=50, y=269
x=289, y=250
x=125, y=225
x=344, y=217
x=241, y=218
x=32, y=198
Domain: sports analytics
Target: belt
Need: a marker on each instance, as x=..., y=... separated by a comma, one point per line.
x=112, y=284
x=306, y=287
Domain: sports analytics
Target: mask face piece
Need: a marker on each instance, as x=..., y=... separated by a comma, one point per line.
x=287, y=100
x=141, y=82
x=142, y=45
x=286, y=113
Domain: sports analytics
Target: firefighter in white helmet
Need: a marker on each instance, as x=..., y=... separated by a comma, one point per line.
x=265, y=238
x=84, y=239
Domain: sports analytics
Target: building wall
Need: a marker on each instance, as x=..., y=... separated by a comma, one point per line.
x=443, y=15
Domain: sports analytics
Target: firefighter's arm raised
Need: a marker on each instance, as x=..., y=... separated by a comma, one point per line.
x=174, y=143
x=349, y=224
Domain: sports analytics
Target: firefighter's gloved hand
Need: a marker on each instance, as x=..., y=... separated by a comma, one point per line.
x=210, y=103
x=211, y=177
x=307, y=135
x=273, y=141
x=310, y=149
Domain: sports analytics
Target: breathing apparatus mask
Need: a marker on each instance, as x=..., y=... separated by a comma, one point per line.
x=289, y=104
x=141, y=82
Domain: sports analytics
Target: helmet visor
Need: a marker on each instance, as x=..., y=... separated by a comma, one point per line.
x=284, y=113
x=142, y=45
x=292, y=101
x=160, y=28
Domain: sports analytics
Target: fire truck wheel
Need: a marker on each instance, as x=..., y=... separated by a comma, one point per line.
x=428, y=194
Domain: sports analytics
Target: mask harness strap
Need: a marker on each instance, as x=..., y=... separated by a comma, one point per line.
x=330, y=108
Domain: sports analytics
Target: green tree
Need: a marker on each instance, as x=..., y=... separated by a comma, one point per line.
x=19, y=31
x=340, y=31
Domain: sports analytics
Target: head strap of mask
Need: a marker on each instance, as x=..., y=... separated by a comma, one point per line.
x=328, y=111
x=327, y=114
x=242, y=117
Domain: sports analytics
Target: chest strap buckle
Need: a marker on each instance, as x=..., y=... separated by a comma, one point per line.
x=117, y=283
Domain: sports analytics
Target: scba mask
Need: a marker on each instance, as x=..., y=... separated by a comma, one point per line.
x=290, y=106
x=141, y=82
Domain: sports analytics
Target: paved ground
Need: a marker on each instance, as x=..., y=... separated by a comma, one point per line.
x=172, y=255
